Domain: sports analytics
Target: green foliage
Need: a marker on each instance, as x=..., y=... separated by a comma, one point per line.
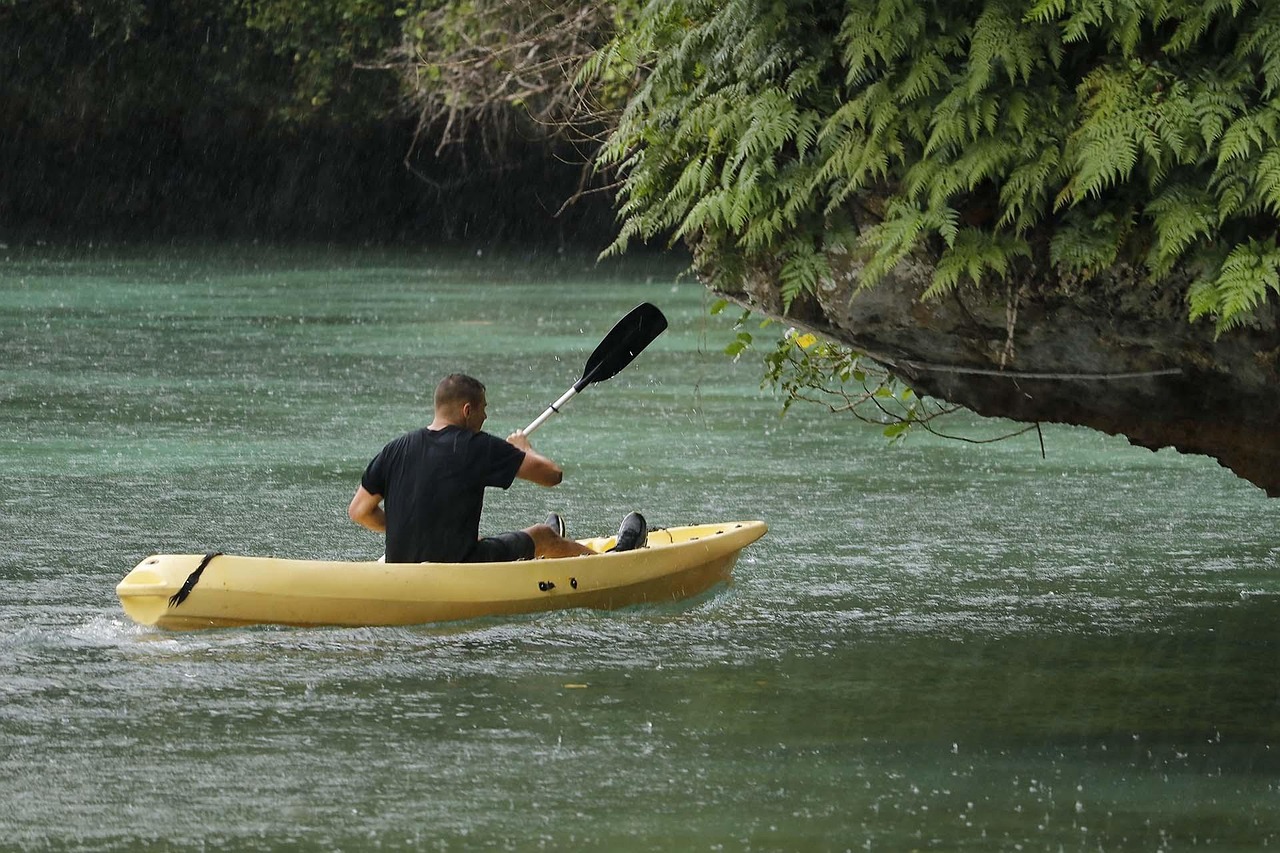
x=326, y=43
x=974, y=253
x=90, y=64
x=994, y=138
x=710, y=145
x=1245, y=276
x=805, y=368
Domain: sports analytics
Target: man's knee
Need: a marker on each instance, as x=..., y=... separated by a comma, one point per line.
x=543, y=536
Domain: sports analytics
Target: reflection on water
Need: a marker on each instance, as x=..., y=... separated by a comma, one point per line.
x=936, y=646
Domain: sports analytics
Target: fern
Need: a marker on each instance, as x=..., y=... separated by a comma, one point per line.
x=1250, y=134
x=1042, y=137
x=1024, y=193
x=1267, y=178
x=1216, y=101
x=876, y=35
x=1232, y=189
x=923, y=78
x=803, y=268
x=896, y=237
x=974, y=253
x=1180, y=216
x=1250, y=270
x=1196, y=20
x=1262, y=42
x=1000, y=40
x=1087, y=244
x=1128, y=112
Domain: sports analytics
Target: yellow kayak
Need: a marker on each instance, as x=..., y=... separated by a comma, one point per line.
x=186, y=591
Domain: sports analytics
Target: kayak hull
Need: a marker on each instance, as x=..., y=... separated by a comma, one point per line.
x=678, y=563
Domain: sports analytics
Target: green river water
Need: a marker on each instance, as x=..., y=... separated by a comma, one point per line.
x=937, y=646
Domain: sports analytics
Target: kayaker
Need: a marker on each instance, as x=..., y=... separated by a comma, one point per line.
x=425, y=489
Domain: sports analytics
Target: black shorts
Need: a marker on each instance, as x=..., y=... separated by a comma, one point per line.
x=503, y=548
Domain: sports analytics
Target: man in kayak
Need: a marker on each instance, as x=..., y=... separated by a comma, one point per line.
x=425, y=490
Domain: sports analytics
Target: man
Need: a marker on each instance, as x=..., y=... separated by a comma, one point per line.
x=425, y=490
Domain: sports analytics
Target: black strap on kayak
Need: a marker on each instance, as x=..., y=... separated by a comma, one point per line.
x=193, y=578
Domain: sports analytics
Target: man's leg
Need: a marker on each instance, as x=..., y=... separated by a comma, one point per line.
x=549, y=543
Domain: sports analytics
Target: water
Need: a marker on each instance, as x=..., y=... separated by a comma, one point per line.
x=937, y=645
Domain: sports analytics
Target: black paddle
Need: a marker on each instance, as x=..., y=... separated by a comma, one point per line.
x=626, y=340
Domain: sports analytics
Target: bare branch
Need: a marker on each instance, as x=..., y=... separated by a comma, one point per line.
x=501, y=67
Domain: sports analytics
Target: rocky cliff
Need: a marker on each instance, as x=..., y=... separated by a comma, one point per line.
x=1113, y=354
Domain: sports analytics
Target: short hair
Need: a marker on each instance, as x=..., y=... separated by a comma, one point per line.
x=458, y=388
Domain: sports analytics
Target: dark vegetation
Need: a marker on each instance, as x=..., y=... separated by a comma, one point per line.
x=145, y=119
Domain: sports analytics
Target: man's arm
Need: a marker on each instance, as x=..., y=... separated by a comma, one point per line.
x=366, y=510
x=536, y=468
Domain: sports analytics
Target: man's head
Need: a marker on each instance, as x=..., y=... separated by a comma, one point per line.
x=460, y=399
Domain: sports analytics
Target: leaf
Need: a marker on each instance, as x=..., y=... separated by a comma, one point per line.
x=738, y=346
x=974, y=254
x=1250, y=270
x=1180, y=215
x=1086, y=243
x=897, y=429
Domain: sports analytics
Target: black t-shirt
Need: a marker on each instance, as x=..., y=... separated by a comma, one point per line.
x=432, y=483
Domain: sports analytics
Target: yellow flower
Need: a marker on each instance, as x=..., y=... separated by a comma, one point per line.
x=806, y=340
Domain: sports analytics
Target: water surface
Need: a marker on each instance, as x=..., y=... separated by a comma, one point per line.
x=937, y=645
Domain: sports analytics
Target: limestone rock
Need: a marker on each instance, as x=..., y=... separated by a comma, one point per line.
x=1113, y=354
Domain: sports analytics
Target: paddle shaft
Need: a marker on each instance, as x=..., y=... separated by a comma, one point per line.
x=552, y=409
x=625, y=341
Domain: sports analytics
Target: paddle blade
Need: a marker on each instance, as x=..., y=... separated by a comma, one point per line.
x=625, y=341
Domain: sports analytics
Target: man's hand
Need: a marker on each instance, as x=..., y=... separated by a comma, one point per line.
x=520, y=440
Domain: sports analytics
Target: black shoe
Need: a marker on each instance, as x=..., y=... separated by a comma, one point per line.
x=633, y=533
x=556, y=523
